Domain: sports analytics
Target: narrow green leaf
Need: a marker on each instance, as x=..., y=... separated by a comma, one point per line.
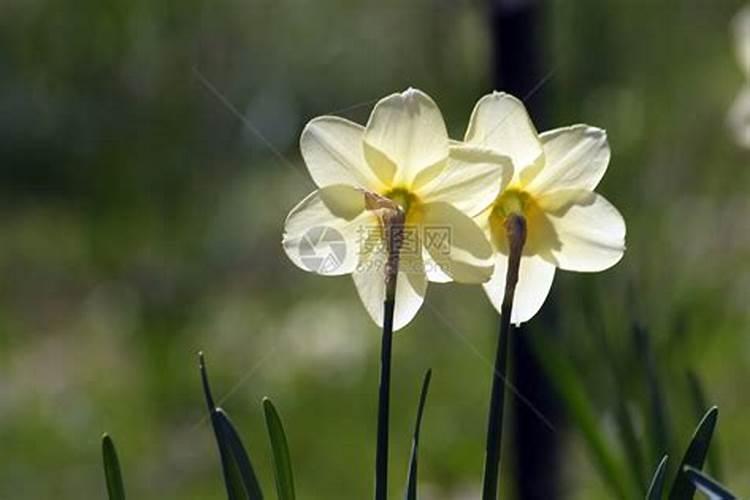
x=700, y=403
x=626, y=432
x=621, y=377
x=204, y=381
x=660, y=430
x=280, y=448
x=115, y=487
x=683, y=488
x=239, y=476
x=708, y=486
x=411, y=482
x=656, y=490
x=242, y=474
x=570, y=387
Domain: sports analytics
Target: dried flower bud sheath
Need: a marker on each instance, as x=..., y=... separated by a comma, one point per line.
x=392, y=217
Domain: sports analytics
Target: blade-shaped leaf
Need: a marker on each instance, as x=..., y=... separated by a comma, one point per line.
x=280, y=448
x=411, y=482
x=659, y=420
x=656, y=490
x=621, y=377
x=239, y=476
x=115, y=487
x=708, y=486
x=626, y=432
x=683, y=488
x=698, y=395
x=242, y=476
x=569, y=386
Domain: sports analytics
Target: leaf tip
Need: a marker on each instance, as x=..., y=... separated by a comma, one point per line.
x=269, y=409
x=204, y=381
x=711, y=416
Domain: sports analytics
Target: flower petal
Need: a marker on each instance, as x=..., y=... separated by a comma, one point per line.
x=739, y=118
x=322, y=233
x=406, y=132
x=500, y=122
x=589, y=231
x=433, y=271
x=535, y=277
x=576, y=157
x=472, y=179
x=741, y=26
x=456, y=243
x=411, y=285
x=333, y=152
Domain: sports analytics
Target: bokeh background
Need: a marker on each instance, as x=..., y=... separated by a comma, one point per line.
x=148, y=157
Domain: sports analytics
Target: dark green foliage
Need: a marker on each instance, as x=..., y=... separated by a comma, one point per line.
x=115, y=487
x=239, y=476
x=656, y=489
x=683, y=488
x=411, y=482
x=569, y=385
x=705, y=484
x=700, y=403
x=282, y=460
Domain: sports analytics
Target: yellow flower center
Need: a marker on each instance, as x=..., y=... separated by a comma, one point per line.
x=514, y=201
x=511, y=201
x=406, y=199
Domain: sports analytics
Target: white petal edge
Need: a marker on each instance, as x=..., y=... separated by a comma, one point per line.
x=739, y=118
x=333, y=151
x=500, y=121
x=456, y=243
x=472, y=179
x=535, y=278
x=406, y=133
x=589, y=231
x=576, y=157
x=411, y=286
x=741, y=27
x=433, y=271
x=325, y=223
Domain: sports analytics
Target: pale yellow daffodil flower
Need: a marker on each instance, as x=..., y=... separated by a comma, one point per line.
x=739, y=113
x=568, y=225
x=403, y=155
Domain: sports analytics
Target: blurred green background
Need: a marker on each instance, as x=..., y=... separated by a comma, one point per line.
x=140, y=222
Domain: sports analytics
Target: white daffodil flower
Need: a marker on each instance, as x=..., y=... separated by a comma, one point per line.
x=739, y=113
x=741, y=28
x=402, y=155
x=568, y=225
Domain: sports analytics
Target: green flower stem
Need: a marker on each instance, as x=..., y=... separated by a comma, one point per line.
x=393, y=222
x=515, y=227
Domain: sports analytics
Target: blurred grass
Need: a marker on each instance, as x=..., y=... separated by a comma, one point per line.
x=140, y=222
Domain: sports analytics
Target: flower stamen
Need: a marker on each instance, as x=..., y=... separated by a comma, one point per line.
x=403, y=197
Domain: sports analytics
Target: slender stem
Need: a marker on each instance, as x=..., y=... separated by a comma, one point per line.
x=381, y=459
x=393, y=222
x=497, y=403
x=515, y=226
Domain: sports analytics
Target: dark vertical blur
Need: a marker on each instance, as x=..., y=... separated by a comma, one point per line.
x=517, y=69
